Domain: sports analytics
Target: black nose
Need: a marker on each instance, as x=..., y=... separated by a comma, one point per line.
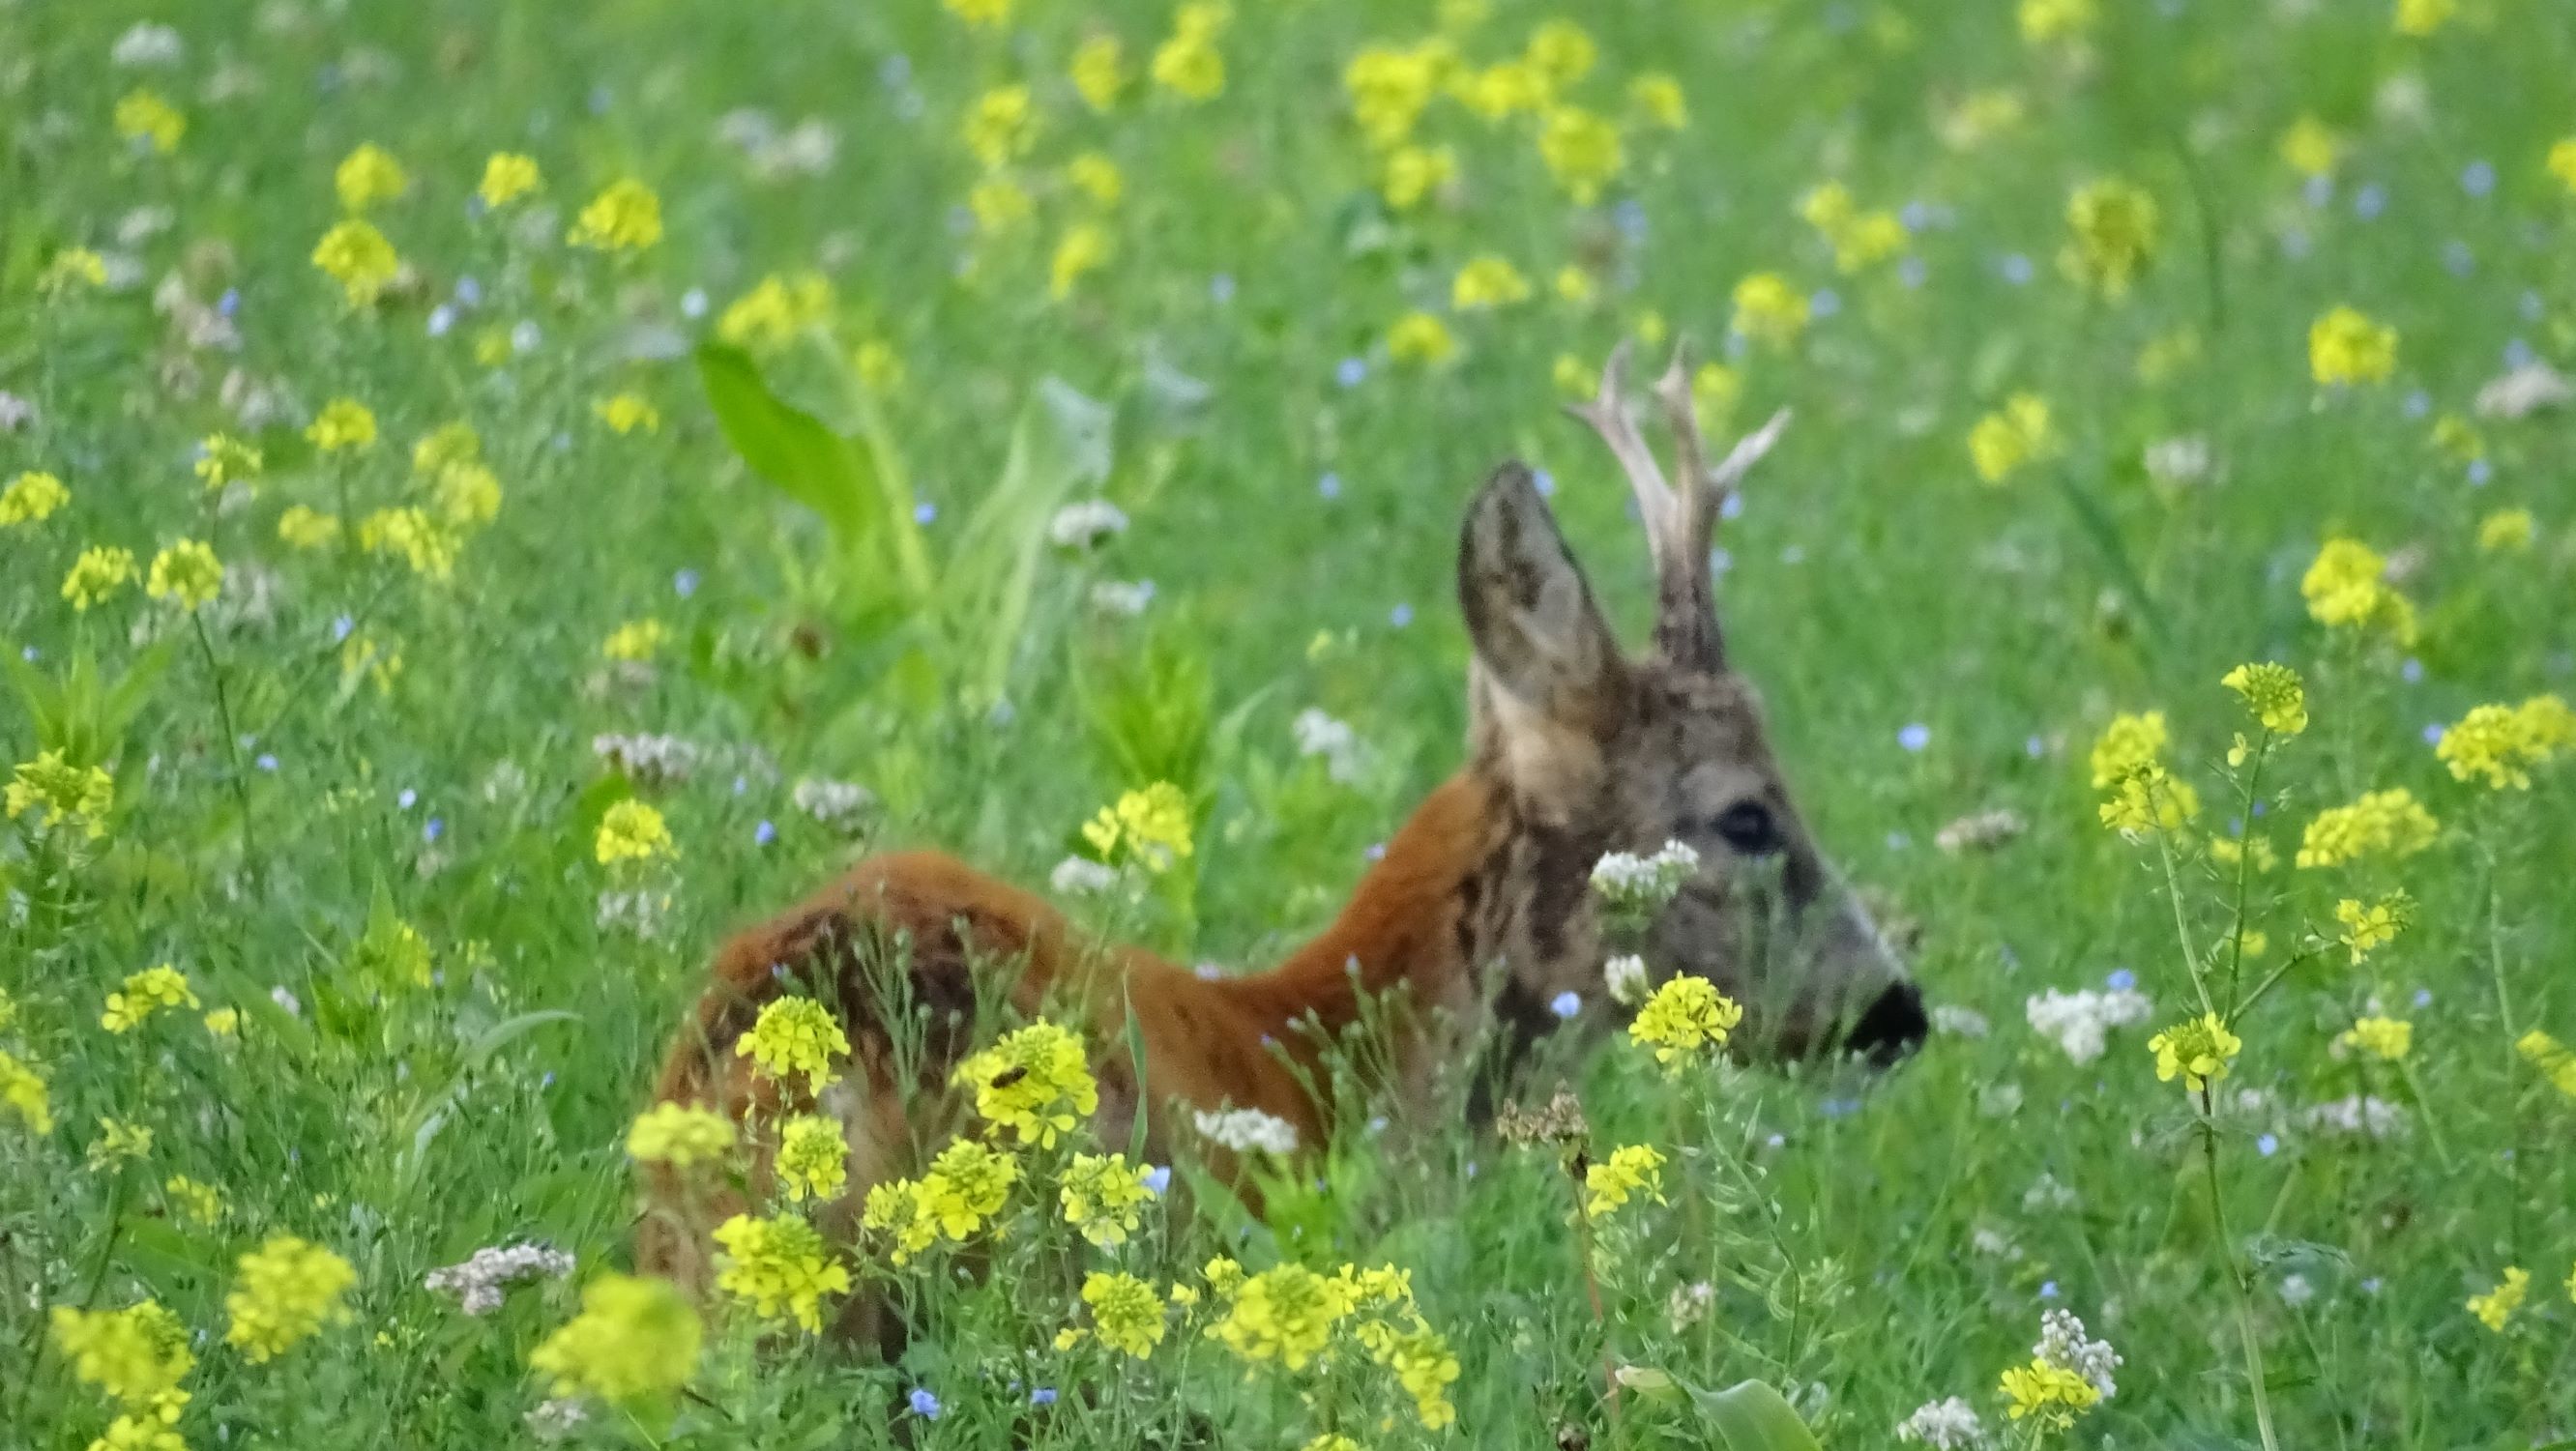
x=1893, y=1027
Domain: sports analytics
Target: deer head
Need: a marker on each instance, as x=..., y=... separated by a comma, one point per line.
x=1590, y=751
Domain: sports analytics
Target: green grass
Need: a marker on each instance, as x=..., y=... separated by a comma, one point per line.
x=1873, y=1245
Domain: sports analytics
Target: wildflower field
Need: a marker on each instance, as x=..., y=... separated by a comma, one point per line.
x=494, y=496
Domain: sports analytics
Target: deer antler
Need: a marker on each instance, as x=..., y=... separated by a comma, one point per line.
x=1680, y=521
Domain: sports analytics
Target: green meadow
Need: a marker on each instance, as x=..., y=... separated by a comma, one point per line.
x=496, y=496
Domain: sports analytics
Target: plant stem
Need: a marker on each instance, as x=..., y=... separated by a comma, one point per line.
x=2236, y=1279
x=232, y=744
x=1592, y=1290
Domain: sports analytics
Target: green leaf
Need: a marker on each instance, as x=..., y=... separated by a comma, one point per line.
x=1061, y=442
x=826, y=472
x=1752, y=1417
x=502, y=1034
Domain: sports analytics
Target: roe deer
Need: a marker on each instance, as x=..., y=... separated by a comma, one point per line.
x=1480, y=902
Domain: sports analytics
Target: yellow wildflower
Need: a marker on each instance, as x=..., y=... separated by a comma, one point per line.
x=203, y=1203
x=2115, y=226
x=2345, y=347
x=1658, y=97
x=2346, y=587
x=999, y=204
x=1769, y=310
x=1389, y=87
x=1561, y=51
x=632, y=831
x=1035, y=1082
x=357, y=256
x=1285, y=1313
x=2553, y=1059
x=1629, y=1171
x=2053, y=1393
x=72, y=269
x=2199, y=1049
x=781, y=1266
x=2496, y=1306
x=2390, y=823
x=967, y=1185
x=2367, y=928
x=791, y=1036
x=635, y=1339
x=1485, y=282
x=144, y=993
x=1097, y=177
x=367, y=176
x=813, y=1158
x=428, y=548
x=2385, y=1038
x=681, y=1135
x=288, y=1289
x=32, y=498
x=981, y=14
x=1414, y=172
x=187, y=572
x=1125, y=1312
x=900, y=1210
x=343, y=424
x=1150, y=828
x=2015, y=435
x=2423, y=17
x=507, y=176
x=2273, y=694
x=2504, y=531
x=635, y=640
x=118, y=1141
x=1189, y=64
x=1002, y=126
x=1582, y=151
x=136, y=1356
x=23, y=1089
x=2501, y=744
x=144, y=118
x=624, y=217
x=2310, y=148
x=776, y=311
x=1103, y=1196
x=1685, y=1015
x=2562, y=162
x=66, y=792
x=1099, y=71
x=625, y=413
x=1083, y=249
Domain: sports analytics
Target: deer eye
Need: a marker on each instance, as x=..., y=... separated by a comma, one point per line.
x=1749, y=827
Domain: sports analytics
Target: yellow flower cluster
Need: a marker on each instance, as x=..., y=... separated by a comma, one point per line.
x=187, y=574
x=137, y=1355
x=1188, y=63
x=343, y=425
x=813, y=1158
x=2496, y=1306
x=2053, y=1393
x=144, y=993
x=288, y=1289
x=23, y=1090
x=1150, y=828
x=357, y=256
x=63, y=792
x=2200, y=1050
x=635, y=641
x=1103, y=1197
x=625, y=413
x=1035, y=1082
x=2379, y=823
x=2128, y=761
x=792, y=1035
x=97, y=575
x=1487, y=282
x=2367, y=928
x=2346, y=347
x=1861, y=237
x=1001, y=128
x=1685, y=1016
x=2554, y=1060
x=2273, y=694
x=1768, y=310
x=2016, y=435
x=2500, y=744
x=2383, y=1038
x=507, y=176
x=2347, y=587
x=626, y=216
x=32, y=498
x=368, y=176
x=1630, y=1171
x=146, y=120
x=679, y=1134
x=2114, y=222
x=1126, y=1314
x=635, y=1339
x=779, y=1265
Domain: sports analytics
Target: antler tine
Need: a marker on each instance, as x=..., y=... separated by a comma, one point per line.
x=1608, y=415
x=1695, y=503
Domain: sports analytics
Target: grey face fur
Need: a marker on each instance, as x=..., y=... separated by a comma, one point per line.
x=1591, y=752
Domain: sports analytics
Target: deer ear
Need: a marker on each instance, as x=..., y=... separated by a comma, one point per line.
x=1542, y=647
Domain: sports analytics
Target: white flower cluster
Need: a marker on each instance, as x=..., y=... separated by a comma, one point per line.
x=638, y=913
x=1949, y=1425
x=649, y=760
x=1241, y=1129
x=480, y=1282
x=1078, y=876
x=2078, y=1021
x=1625, y=975
x=807, y=148
x=1959, y=1022
x=2358, y=1116
x=837, y=804
x=1983, y=831
x=1119, y=597
x=146, y=46
x=557, y=1419
x=1631, y=885
x=1318, y=734
x=1085, y=524
x=2063, y=1343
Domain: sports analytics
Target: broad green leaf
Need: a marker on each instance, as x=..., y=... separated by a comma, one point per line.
x=818, y=468
x=1752, y=1416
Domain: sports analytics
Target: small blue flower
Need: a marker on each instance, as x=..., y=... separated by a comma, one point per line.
x=1158, y=1177
x=764, y=833
x=2370, y=201
x=432, y=829
x=1841, y=1107
x=230, y=302
x=267, y=761
x=2048, y=1290
x=684, y=583
x=2319, y=191
x=1825, y=303
x=2480, y=471
x=469, y=293
x=2268, y=1145
x=442, y=320
x=1914, y=737
x=1351, y=373
x=2016, y=269
x=2457, y=259
x=1545, y=483
x=895, y=71
x=2518, y=354
x=2412, y=672
x=1400, y=616
x=341, y=627
x=403, y=800
x=924, y=1404
x=1042, y=1396
x=2034, y=747
x=925, y=512
x=1566, y=1004
x=2423, y=997
x=2433, y=734
x=693, y=303
x=1220, y=292
x=1330, y=485
x=2478, y=178
x=2120, y=980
